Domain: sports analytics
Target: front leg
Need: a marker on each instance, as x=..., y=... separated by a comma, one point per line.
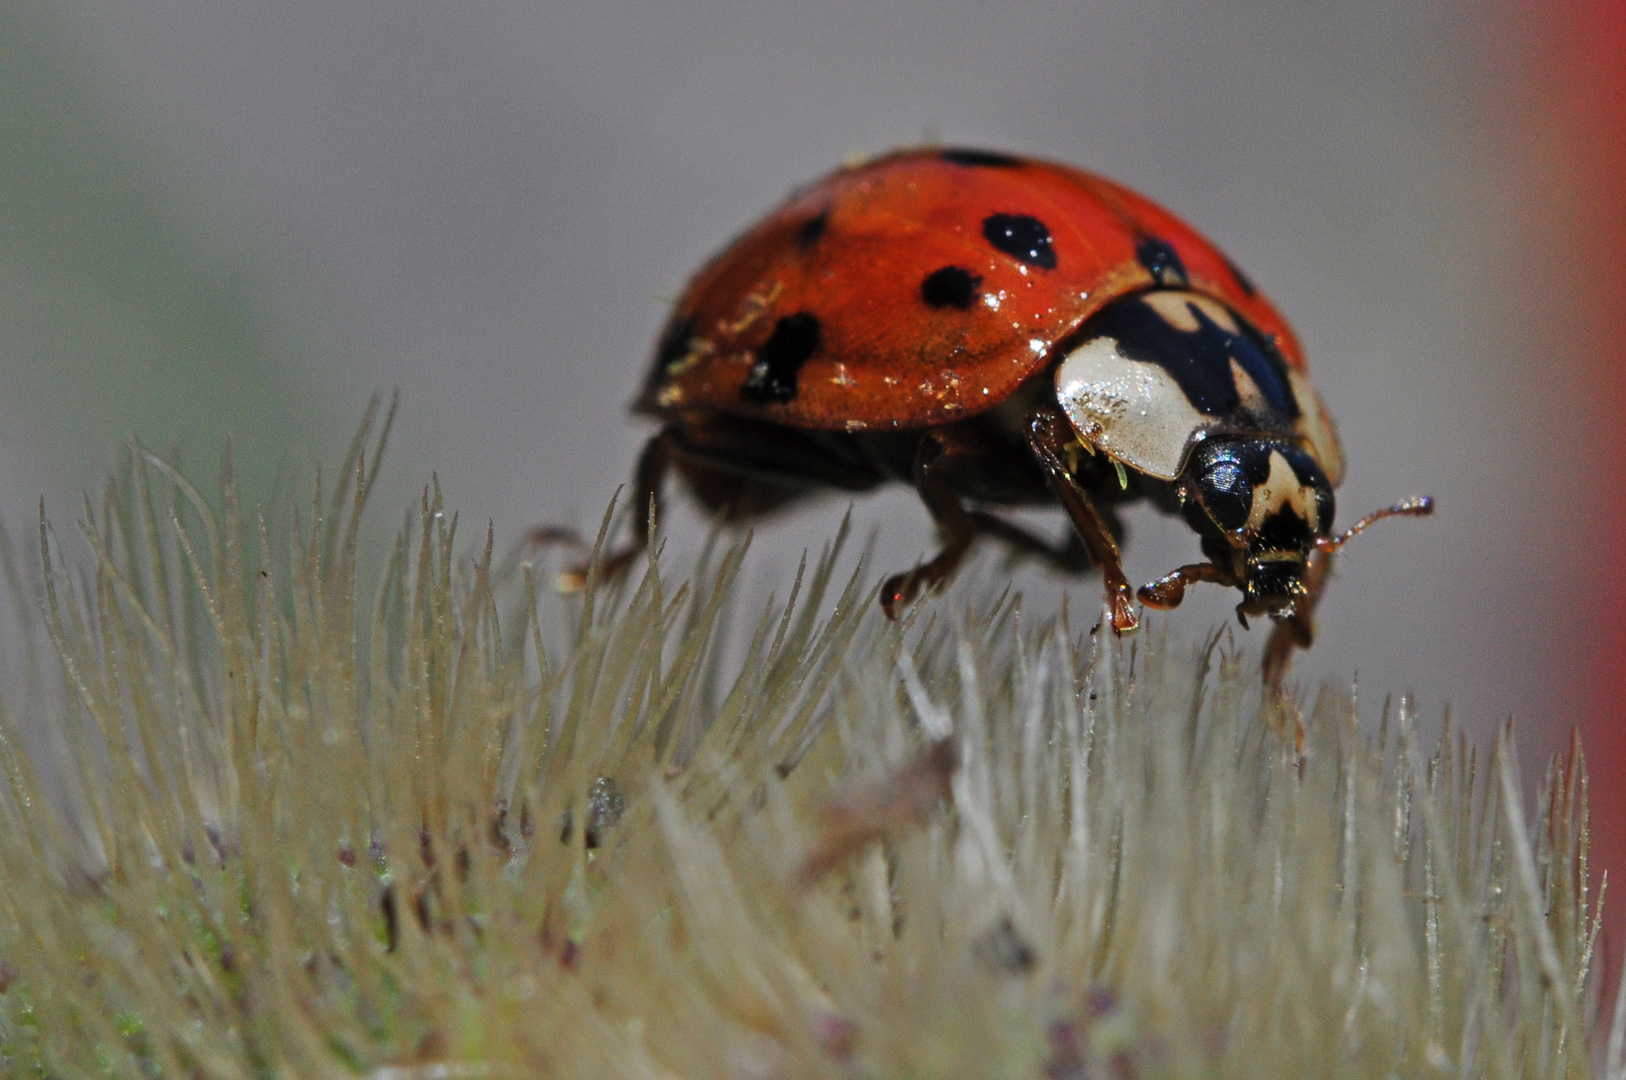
x=1297, y=631
x=1049, y=435
x=1167, y=591
x=1290, y=632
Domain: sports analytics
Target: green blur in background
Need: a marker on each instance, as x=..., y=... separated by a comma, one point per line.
x=122, y=313
x=243, y=220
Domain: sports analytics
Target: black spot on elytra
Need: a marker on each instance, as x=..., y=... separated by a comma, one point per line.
x=980, y=159
x=950, y=286
x=1243, y=281
x=1162, y=262
x=812, y=229
x=773, y=377
x=676, y=341
x=1021, y=237
x=1200, y=360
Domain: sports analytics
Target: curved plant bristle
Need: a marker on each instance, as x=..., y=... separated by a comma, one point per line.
x=277, y=820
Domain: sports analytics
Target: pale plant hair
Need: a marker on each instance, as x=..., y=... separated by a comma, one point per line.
x=263, y=822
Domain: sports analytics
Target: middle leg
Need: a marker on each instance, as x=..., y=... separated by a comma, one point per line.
x=942, y=456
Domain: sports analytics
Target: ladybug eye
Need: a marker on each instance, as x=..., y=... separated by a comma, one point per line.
x=1224, y=492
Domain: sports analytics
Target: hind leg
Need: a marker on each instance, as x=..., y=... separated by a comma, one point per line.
x=736, y=468
x=648, y=479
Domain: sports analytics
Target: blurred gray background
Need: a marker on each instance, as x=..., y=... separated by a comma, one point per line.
x=243, y=219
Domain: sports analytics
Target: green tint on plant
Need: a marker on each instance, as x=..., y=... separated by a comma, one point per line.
x=449, y=824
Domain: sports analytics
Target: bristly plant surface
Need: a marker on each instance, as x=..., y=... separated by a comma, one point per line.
x=268, y=820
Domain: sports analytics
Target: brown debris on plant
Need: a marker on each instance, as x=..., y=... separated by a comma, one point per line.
x=266, y=819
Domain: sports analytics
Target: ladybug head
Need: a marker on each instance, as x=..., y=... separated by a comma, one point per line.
x=1261, y=506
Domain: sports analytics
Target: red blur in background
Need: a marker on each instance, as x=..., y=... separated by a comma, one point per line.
x=1567, y=65
x=240, y=220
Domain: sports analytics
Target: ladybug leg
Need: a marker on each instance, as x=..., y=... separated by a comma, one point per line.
x=1167, y=591
x=647, y=480
x=937, y=457
x=1296, y=631
x=936, y=451
x=902, y=588
x=737, y=469
x=1070, y=555
x=1049, y=437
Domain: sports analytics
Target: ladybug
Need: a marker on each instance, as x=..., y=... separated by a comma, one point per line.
x=1000, y=331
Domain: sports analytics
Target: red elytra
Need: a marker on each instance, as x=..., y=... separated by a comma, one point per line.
x=854, y=249
x=998, y=331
